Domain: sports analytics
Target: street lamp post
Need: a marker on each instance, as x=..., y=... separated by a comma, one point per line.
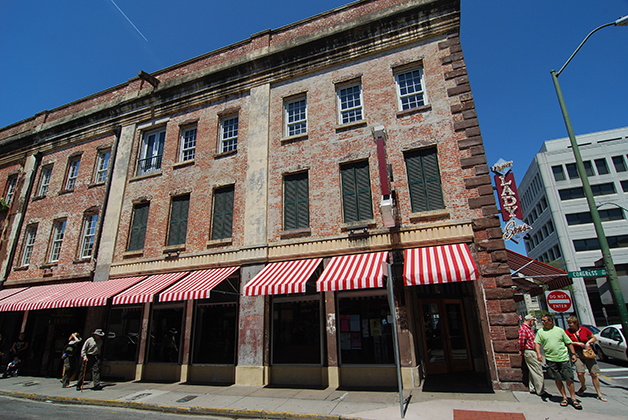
x=595, y=216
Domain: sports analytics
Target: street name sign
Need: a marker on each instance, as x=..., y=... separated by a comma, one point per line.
x=587, y=273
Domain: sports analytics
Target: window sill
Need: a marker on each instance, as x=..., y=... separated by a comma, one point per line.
x=416, y=110
x=63, y=192
x=183, y=164
x=295, y=233
x=81, y=260
x=21, y=268
x=39, y=197
x=297, y=137
x=351, y=125
x=218, y=155
x=151, y=175
x=430, y=215
x=173, y=248
x=49, y=265
x=131, y=254
x=359, y=225
x=219, y=242
x=96, y=184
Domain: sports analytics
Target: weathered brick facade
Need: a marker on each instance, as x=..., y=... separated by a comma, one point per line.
x=369, y=42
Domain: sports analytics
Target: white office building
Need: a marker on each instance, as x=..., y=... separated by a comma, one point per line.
x=563, y=234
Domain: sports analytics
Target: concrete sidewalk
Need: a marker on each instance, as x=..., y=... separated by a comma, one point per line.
x=286, y=403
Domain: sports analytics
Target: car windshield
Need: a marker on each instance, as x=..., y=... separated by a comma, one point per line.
x=592, y=328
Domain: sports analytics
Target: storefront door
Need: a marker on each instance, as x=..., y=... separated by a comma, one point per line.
x=445, y=336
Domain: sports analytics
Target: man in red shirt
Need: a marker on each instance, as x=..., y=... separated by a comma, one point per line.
x=528, y=352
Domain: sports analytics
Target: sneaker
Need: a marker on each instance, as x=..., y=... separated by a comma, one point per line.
x=97, y=388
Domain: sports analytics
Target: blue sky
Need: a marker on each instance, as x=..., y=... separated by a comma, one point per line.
x=55, y=52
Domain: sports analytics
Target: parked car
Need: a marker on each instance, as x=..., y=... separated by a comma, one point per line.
x=594, y=330
x=611, y=343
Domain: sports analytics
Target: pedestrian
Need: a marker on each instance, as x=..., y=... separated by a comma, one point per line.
x=70, y=358
x=557, y=347
x=90, y=359
x=582, y=338
x=19, y=347
x=527, y=350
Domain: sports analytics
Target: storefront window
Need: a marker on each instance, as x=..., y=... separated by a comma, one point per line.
x=165, y=335
x=365, y=329
x=123, y=334
x=297, y=331
x=215, y=334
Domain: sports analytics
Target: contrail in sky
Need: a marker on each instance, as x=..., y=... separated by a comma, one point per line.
x=138, y=31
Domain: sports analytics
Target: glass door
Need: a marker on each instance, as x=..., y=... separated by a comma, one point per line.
x=445, y=336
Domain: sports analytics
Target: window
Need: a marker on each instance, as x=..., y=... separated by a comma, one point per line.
x=296, y=202
x=138, y=227
x=410, y=88
x=177, y=231
x=10, y=189
x=72, y=174
x=151, y=152
x=44, y=181
x=88, y=236
x=424, y=181
x=559, y=173
x=222, y=222
x=29, y=242
x=188, y=144
x=624, y=186
x=592, y=244
x=56, y=241
x=364, y=330
x=588, y=168
x=611, y=214
x=123, y=333
x=215, y=342
x=620, y=164
x=572, y=170
x=102, y=165
x=165, y=336
x=296, y=116
x=602, y=167
x=350, y=103
x=356, y=192
x=228, y=134
x=296, y=331
x=578, y=192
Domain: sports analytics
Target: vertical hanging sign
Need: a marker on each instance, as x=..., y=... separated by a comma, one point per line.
x=512, y=215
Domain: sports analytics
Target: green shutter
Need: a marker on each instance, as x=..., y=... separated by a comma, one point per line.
x=223, y=213
x=356, y=192
x=138, y=228
x=296, y=202
x=424, y=182
x=177, y=233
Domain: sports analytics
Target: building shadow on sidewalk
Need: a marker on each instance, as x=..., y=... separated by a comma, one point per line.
x=467, y=382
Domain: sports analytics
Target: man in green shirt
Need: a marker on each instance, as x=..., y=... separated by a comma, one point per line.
x=557, y=347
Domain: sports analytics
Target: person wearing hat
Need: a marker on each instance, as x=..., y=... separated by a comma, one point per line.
x=90, y=358
x=528, y=352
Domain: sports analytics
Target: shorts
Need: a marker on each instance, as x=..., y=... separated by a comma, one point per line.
x=560, y=371
x=591, y=364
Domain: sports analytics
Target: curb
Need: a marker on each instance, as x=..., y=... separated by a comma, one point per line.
x=222, y=412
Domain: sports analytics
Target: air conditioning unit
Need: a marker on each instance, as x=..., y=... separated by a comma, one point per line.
x=388, y=211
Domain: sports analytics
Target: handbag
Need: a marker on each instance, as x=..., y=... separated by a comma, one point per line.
x=588, y=353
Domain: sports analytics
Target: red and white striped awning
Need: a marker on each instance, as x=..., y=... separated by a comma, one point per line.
x=93, y=293
x=145, y=290
x=197, y=285
x=282, y=277
x=360, y=271
x=36, y=297
x=439, y=264
x=5, y=293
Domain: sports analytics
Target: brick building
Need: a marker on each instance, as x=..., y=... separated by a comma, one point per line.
x=226, y=219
